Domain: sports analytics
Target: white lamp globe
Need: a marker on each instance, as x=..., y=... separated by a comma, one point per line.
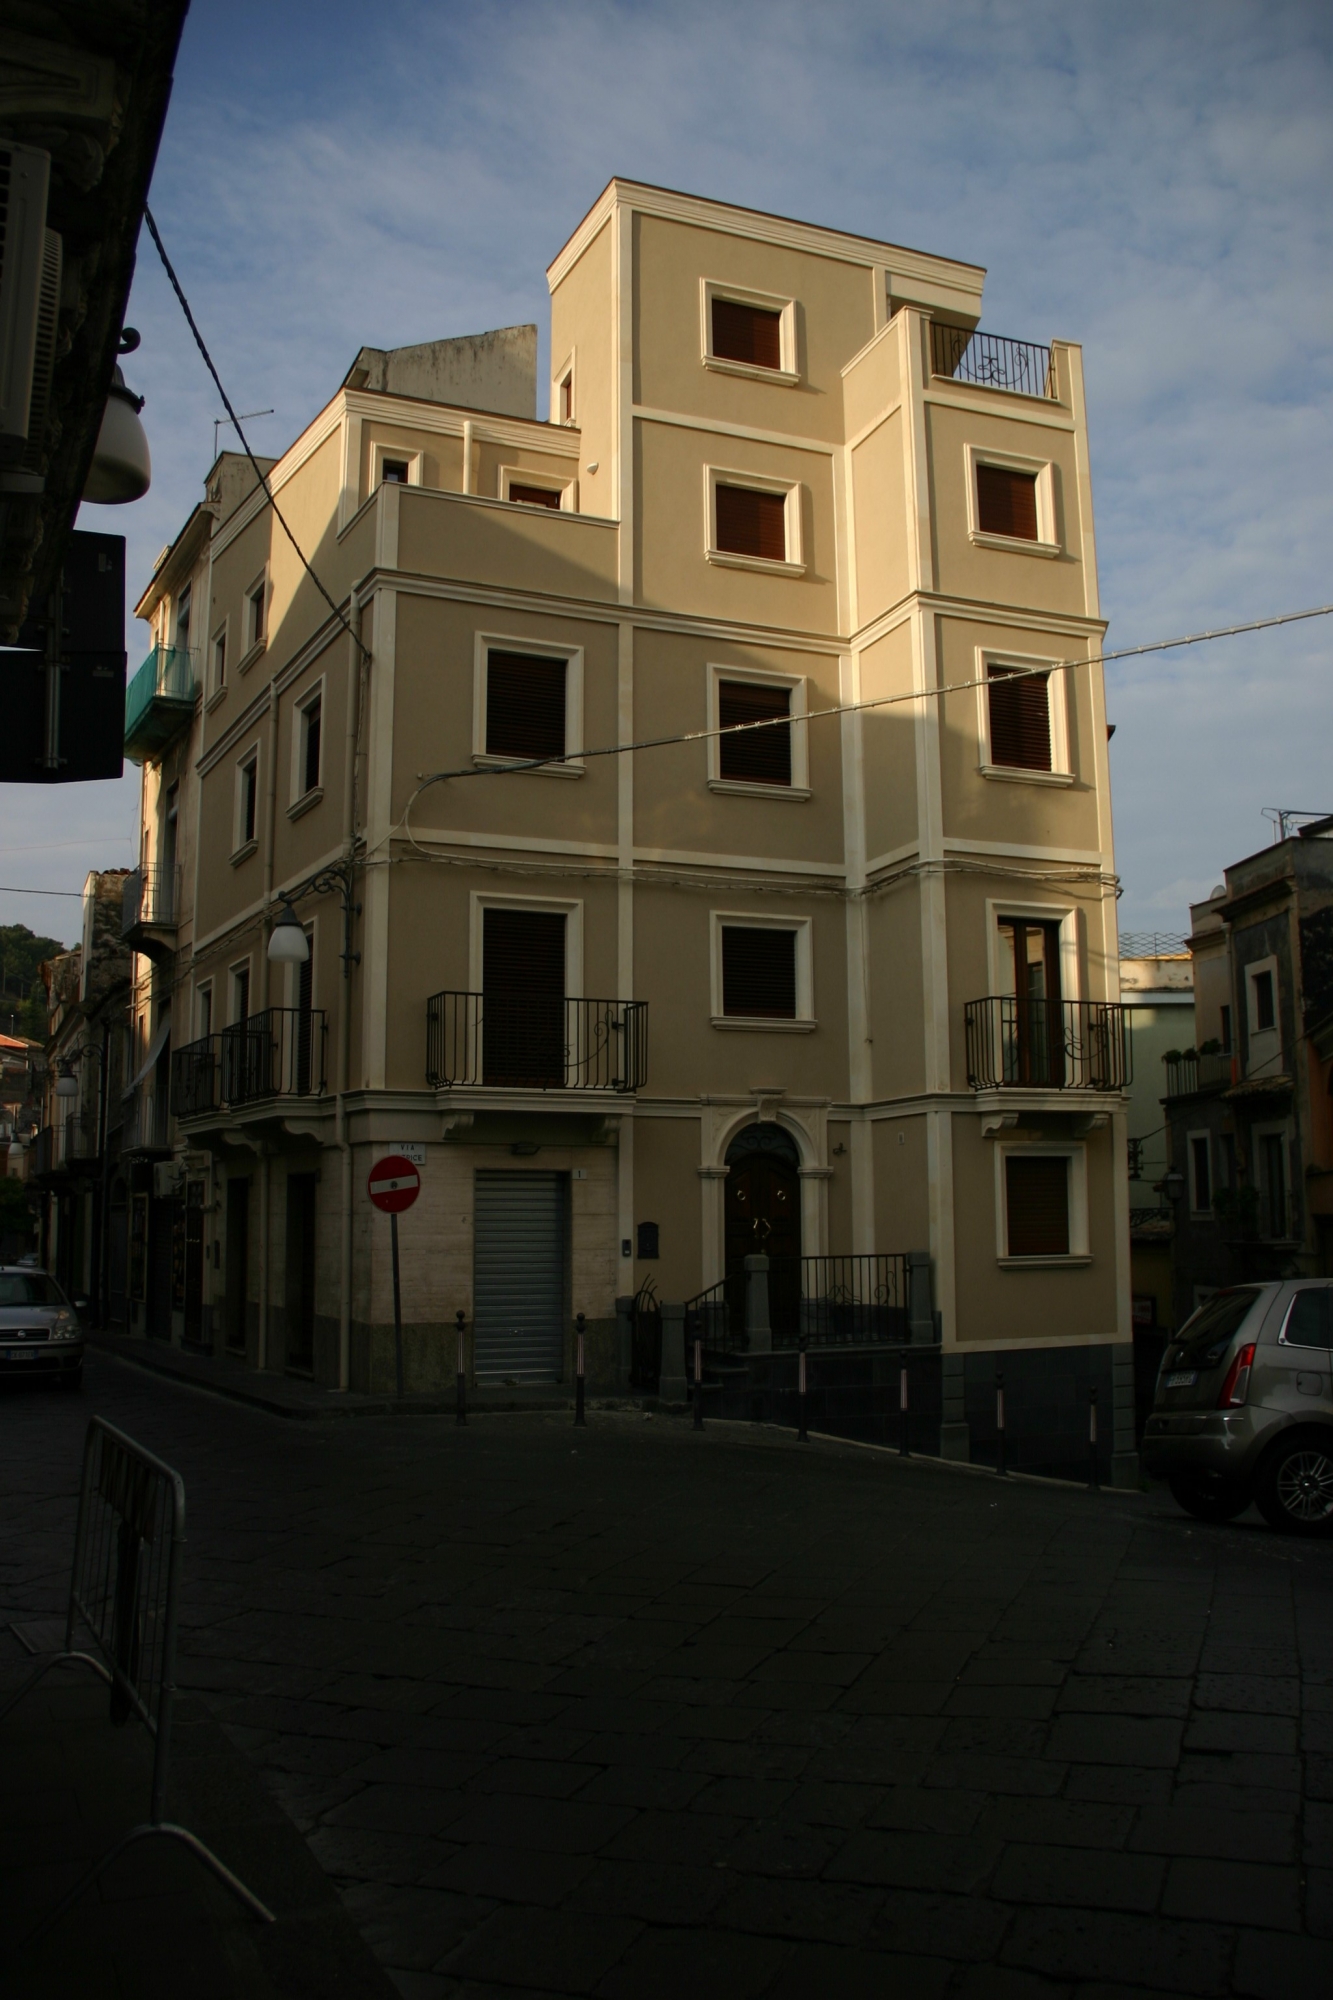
x=288, y=944
x=67, y=1084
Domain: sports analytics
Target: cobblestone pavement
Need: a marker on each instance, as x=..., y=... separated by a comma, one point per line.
x=635, y=1712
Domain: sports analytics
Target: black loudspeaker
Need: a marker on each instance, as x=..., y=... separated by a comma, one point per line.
x=63, y=685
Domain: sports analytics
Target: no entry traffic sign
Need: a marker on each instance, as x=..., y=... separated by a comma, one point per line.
x=394, y=1184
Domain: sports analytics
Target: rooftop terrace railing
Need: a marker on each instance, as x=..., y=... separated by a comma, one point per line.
x=991, y=360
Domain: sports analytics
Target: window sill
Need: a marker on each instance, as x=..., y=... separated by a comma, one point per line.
x=1020, y=775
x=727, y=559
x=215, y=700
x=745, y=789
x=753, y=371
x=244, y=852
x=1075, y=1262
x=248, y=658
x=306, y=802
x=484, y=760
x=1015, y=544
x=763, y=1023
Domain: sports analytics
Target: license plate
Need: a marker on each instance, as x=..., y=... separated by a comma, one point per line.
x=1184, y=1380
x=24, y=1354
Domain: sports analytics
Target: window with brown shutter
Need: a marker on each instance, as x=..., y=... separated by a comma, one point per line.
x=525, y=705
x=1020, y=719
x=1007, y=502
x=747, y=333
x=755, y=756
x=1037, y=1200
x=535, y=496
x=751, y=523
x=759, y=972
x=523, y=997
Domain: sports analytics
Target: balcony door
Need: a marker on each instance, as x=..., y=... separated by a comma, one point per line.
x=1031, y=1025
x=523, y=998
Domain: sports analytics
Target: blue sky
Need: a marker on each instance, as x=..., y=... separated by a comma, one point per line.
x=1149, y=179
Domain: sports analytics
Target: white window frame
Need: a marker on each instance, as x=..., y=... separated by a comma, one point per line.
x=1057, y=707
x=548, y=482
x=246, y=966
x=258, y=586
x=566, y=372
x=203, y=992
x=379, y=452
x=1264, y=1045
x=1071, y=984
x=302, y=800
x=186, y=595
x=788, y=375
x=1278, y=1129
x=481, y=900
x=803, y=927
x=1077, y=1156
x=218, y=678
x=1046, y=543
x=509, y=642
x=791, y=490
x=242, y=844
x=1196, y=1206
x=798, y=685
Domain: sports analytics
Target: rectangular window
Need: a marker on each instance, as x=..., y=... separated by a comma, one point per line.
x=759, y=972
x=751, y=522
x=1274, y=1155
x=394, y=471
x=240, y=992
x=1031, y=1014
x=756, y=756
x=247, y=802
x=1020, y=719
x=311, y=716
x=1265, y=1011
x=1007, y=502
x=535, y=496
x=1225, y=1037
x=1201, y=1193
x=220, y=659
x=525, y=704
x=256, y=614
x=523, y=997
x=1037, y=1205
x=567, y=398
x=747, y=333
x=183, y=617
x=1227, y=1178
x=205, y=1010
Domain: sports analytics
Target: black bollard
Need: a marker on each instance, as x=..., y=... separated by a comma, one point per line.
x=802, y=1434
x=461, y=1418
x=579, y=1418
x=1000, y=1465
x=1094, y=1478
x=904, y=1447
x=698, y=1381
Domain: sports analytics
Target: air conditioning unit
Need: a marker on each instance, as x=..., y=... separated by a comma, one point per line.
x=168, y=1179
x=30, y=257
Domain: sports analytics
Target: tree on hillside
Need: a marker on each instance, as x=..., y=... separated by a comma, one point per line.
x=22, y=995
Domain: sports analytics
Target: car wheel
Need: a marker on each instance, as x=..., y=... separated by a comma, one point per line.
x=1295, y=1486
x=1208, y=1498
x=72, y=1381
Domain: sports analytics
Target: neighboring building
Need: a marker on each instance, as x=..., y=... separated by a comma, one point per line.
x=1157, y=988
x=1248, y=1107
x=844, y=984
x=73, y=1157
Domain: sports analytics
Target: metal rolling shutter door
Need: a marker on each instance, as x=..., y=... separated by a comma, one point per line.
x=519, y=1276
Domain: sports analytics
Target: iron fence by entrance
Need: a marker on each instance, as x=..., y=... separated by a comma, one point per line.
x=991, y=360
x=124, y=1596
x=846, y=1301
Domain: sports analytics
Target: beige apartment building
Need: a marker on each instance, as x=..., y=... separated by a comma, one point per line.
x=642, y=990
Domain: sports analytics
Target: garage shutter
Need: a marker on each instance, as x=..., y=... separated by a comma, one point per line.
x=519, y=1276
x=1037, y=1198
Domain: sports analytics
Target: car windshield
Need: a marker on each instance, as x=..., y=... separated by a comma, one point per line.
x=1205, y=1338
x=28, y=1288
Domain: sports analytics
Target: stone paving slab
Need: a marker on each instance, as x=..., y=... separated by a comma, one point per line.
x=635, y=1710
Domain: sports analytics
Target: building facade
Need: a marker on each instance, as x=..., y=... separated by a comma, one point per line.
x=766, y=899
x=1248, y=1107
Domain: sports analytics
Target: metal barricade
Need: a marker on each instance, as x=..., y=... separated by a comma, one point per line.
x=124, y=1593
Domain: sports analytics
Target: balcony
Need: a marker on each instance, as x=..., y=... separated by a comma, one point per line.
x=991, y=361
x=148, y=911
x=275, y=1054
x=527, y=1041
x=146, y=1128
x=159, y=701
x=1023, y=1044
x=65, y=1147
x=1198, y=1070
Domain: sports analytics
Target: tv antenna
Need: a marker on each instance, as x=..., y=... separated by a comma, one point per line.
x=221, y=423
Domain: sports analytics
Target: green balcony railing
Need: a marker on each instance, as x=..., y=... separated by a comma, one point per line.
x=159, y=701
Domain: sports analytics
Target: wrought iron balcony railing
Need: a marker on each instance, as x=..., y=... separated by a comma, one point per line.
x=992, y=361
x=533, y=1042
x=277, y=1053
x=1192, y=1071
x=68, y=1143
x=150, y=898
x=159, y=700
x=1016, y=1043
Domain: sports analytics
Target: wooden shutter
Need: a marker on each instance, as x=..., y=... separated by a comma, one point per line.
x=535, y=496
x=1037, y=1197
x=751, y=523
x=1007, y=502
x=525, y=705
x=523, y=951
x=747, y=333
x=759, y=756
x=759, y=972
x=1020, y=719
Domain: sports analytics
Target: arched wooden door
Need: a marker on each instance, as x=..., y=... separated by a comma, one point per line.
x=763, y=1213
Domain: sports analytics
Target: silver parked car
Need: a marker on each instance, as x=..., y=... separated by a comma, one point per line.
x=40, y=1330
x=1244, y=1407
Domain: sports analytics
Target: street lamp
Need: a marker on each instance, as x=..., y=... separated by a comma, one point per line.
x=288, y=944
x=67, y=1084
x=1172, y=1185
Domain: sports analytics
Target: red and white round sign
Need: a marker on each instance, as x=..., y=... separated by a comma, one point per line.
x=394, y=1184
